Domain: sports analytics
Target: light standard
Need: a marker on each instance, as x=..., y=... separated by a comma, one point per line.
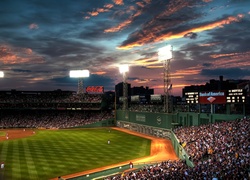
x=1, y=74
x=124, y=70
x=80, y=74
x=165, y=55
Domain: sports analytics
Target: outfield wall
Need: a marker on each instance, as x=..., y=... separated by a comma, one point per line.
x=158, y=132
x=160, y=120
x=161, y=124
x=169, y=121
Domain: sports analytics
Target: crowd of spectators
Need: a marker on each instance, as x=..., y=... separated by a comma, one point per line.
x=50, y=98
x=47, y=100
x=83, y=106
x=50, y=109
x=50, y=118
x=219, y=151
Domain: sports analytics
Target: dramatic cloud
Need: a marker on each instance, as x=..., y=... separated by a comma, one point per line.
x=17, y=55
x=41, y=41
x=191, y=35
x=144, y=37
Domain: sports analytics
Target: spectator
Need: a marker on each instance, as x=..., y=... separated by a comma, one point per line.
x=219, y=151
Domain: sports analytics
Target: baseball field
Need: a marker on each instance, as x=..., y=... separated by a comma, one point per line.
x=47, y=154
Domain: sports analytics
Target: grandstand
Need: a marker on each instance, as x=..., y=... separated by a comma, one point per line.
x=210, y=141
x=219, y=151
x=51, y=109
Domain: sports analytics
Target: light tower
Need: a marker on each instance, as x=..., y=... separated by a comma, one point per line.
x=80, y=74
x=1, y=74
x=165, y=55
x=124, y=70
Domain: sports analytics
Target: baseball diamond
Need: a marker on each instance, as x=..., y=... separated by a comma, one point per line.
x=47, y=154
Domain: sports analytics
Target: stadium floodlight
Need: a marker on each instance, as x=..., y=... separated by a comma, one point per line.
x=124, y=70
x=1, y=74
x=80, y=74
x=165, y=54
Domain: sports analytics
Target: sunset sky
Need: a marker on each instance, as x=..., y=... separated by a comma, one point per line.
x=42, y=40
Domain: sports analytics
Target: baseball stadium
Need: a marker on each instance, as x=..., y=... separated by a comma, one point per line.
x=97, y=135
x=68, y=113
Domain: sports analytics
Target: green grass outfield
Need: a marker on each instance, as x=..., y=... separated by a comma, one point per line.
x=2, y=133
x=52, y=153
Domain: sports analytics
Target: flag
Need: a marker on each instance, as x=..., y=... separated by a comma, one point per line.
x=170, y=87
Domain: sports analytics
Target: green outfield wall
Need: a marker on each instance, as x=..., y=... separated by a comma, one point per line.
x=162, y=124
x=195, y=119
x=160, y=120
x=171, y=120
x=161, y=133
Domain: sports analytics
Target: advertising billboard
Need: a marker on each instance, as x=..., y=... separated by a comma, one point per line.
x=212, y=97
x=156, y=98
x=135, y=98
x=95, y=89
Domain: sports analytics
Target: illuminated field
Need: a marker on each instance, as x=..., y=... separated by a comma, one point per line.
x=52, y=153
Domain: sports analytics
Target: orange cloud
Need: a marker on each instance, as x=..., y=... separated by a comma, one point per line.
x=108, y=6
x=185, y=72
x=180, y=85
x=208, y=44
x=150, y=63
x=131, y=8
x=125, y=23
x=118, y=2
x=154, y=67
x=13, y=55
x=153, y=36
x=230, y=54
x=231, y=60
x=96, y=12
x=93, y=13
x=142, y=81
x=119, y=27
x=140, y=4
x=176, y=76
x=99, y=73
x=213, y=25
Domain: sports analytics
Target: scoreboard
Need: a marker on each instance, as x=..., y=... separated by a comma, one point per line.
x=236, y=96
x=216, y=97
x=192, y=97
